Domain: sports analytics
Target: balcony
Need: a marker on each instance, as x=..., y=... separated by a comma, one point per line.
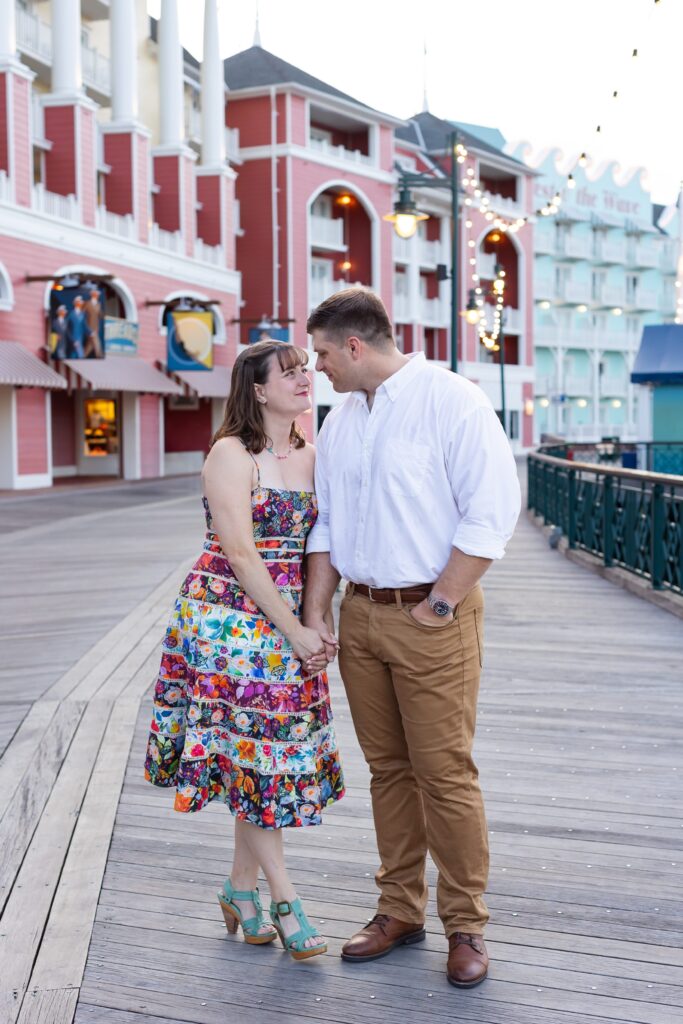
x=403, y=249
x=213, y=254
x=544, y=243
x=610, y=296
x=572, y=291
x=644, y=253
x=609, y=250
x=327, y=233
x=320, y=289
x=169, y=241
x=54, y=205
x=340, y=154
x=613, y=386
x=545, y=384
x=575, y=247
x=34, y=41
x=504, y=205
x=581, y=386
x=513, y=321
x=643, y=298
x=429, y=253
x=115, y=224
x=431, y=312
x=402, y=309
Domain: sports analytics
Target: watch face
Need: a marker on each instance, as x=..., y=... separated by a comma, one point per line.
x=441, y=608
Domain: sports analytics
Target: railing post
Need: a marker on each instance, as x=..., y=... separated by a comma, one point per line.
x=571, y=508
x=658, y=514
x=530, y=481
x=608, y=520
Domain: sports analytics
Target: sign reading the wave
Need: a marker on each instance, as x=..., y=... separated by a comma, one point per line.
x=120, y=336
x=190, y=340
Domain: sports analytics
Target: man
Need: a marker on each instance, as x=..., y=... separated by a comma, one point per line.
x=59, y=333
x=418, y=494
x=76, y=330
x=93, y=316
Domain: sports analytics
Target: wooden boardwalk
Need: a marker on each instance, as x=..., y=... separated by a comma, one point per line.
x=109, y=896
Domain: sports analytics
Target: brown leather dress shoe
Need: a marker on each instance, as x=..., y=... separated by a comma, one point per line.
x=468, y=961
x=379, y=937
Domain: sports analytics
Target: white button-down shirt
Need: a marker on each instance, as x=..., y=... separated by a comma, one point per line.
x=428, y=467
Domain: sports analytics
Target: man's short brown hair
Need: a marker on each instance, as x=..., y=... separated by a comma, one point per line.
x=353, y=311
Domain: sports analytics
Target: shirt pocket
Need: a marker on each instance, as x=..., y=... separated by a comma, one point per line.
x=404, y=466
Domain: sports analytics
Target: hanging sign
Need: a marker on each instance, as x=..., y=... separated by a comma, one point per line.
x=75, y=321
x=189, y=340
x=120, y=336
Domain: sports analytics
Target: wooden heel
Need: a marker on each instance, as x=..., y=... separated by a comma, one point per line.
x=231, y=922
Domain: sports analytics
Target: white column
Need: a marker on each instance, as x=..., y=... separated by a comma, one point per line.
x=171, y=116
x=213, y=91
x=124, y=65
x=67, y=75
x=8, y=29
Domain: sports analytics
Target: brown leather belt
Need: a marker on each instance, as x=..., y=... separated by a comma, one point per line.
x=389, y=595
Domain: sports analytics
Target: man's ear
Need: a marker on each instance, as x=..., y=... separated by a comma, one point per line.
x=355, y=346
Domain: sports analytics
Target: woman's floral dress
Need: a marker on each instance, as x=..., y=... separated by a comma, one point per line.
x=235, y=719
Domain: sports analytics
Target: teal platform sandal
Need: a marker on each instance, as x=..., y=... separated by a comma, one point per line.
x=233, y=915
x=294, y=944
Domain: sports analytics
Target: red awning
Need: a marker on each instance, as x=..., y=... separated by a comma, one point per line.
x=206, y=383
x=22, y=369
x=122, y=373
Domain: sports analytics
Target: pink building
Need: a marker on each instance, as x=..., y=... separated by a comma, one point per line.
x=145, y=180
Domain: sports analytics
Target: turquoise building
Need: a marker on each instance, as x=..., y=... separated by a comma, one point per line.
x=605, y=267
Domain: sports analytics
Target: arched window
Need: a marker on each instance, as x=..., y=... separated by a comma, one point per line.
x=6, y=291
x=187, y=299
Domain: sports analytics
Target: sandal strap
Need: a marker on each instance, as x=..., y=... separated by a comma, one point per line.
x=247, y=895
x=306, y=929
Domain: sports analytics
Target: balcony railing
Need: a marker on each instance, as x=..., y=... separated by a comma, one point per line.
x=431, y=311
x=613, y=385
x=321, y=289
x=341, y=153
x=429, y=252
x=644, y=254
x=34, y=37
x=213, y=254
x=115, y=223
x=513, y=320
x=578, y=247
x=609, y=250
x=327, y=232
x=403, y=249
x=401, y=309
x=628, y=518
x=610, y=295
x=55, y=205
x=574, y=384
x=643, y=298
x=572, y=291
x=170, y=241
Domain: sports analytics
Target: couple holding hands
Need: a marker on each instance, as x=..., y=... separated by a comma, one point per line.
x=410, y=495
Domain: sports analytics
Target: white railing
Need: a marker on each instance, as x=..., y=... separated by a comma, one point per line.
x=644, y=254
x=486, y=265
x=546, y=334
x=572, y=291
x=401, y=309
x=576, y=246
x=321, y=289
x=505, y=205
x=429, y=252
x=431, y=311
x=544, y=243
x=613, y=386
x=341, y=152
x=327, y=232
x=513, y=321
x=5, y=188
x=668, y=256
x=609, y=250
x=213, y=254
x=644, y=298
x=54, y=205
x=616, y=341
x=544, y=287
x=577, y=385
x=34, y=37
x=613, y=294
x=170, y=241
x=403, y=249
x=119, y=225
x=545, y=384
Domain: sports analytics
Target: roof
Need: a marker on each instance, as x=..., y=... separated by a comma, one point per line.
x=214, y=384
x=660, y=356
x=431, y=133
x=123, y=373
x=22, y=369
x=256, y=67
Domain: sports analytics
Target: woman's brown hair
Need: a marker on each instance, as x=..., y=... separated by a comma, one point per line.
x=243, y=416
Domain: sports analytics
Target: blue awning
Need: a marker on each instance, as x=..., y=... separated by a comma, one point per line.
x=660, y=356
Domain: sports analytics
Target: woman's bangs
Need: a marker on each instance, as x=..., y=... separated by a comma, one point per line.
x=289, y=356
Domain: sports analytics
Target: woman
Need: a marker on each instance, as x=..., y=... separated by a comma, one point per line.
x=242, y=709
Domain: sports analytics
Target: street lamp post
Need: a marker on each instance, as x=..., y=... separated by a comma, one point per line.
x=406, y=216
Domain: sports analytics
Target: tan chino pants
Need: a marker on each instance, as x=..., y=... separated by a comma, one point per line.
x=413, y=691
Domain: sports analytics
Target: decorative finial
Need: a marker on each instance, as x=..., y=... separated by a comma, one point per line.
x=257, y=30
x=425, y=101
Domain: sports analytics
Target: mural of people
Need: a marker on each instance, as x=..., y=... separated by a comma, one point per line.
x=93, y=316
x=58, y=329
x=76, y=330
x=76, y=319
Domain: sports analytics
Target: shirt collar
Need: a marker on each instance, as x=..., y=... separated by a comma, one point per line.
x=394, y=384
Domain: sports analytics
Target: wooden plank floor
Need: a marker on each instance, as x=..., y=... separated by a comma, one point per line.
x=579, y=725
x=578, y=745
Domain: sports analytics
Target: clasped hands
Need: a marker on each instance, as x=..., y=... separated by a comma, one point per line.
x=316, y=645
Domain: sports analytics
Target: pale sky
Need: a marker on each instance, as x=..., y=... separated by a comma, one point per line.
x=539, y=70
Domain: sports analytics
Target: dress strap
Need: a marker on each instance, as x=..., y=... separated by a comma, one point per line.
x=253, y=459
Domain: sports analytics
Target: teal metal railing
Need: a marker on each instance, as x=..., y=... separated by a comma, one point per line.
x=628, y=518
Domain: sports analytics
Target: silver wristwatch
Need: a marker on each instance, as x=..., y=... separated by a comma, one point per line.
x=439, y=606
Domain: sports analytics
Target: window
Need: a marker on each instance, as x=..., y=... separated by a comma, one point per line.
x=322, y=207
x=101, y=427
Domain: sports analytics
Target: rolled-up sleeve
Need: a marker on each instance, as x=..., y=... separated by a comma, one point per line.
x=319, y=537
x=483, y=476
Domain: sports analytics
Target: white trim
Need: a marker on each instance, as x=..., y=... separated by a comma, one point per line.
x=129, y=303
x=315, y=156
x=275, y=225
x=60, y=471
x=11, y=141
x=162, y=437
x=324, y=99
x=48, y=431
x=289, y=206
x=8, y=438
x=32, y=226
x=25, y=481
x=130, y=426
x=6, y=291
